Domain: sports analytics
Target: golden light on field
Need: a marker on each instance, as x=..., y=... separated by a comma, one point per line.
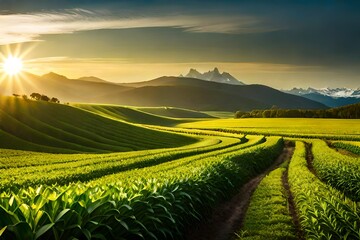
x=12, y=65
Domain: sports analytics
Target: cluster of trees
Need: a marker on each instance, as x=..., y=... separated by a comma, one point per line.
x=38, y=97
x=350, y=112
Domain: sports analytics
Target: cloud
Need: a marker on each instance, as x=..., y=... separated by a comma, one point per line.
x=16, y=28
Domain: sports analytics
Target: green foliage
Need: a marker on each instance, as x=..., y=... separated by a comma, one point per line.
x=325, y=213
x=174, y=112
x=340, y=171
x=334, y=129
x=54, y=168
x=348, y=112
x=353, y=147
x=159, y=207
x=268, y=215
x=128, y=114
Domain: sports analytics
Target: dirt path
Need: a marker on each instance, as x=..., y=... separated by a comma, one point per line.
x=342, y=150
x=228, y=217
x=292, y=209
x=309, y=157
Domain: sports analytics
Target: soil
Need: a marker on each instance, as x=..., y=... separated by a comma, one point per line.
x=309, y=157
x=342, y=151
x=228, y=217
x=292, y=209
x=347, y=153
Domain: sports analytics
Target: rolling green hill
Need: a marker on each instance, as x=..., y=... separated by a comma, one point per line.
x=174, y=112
x=47, y=127
x=128, y=114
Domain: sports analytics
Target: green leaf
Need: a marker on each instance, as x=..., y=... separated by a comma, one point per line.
x=86, y=233
x=43, y=230
x=61, y=214
x=2, y=230
x=7, y=217
x=21, y=230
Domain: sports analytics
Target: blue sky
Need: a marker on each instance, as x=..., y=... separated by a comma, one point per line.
x=278, y=43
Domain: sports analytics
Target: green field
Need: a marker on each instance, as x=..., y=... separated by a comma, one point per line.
x=86, y=171
x=174, y=112
x=294, y=127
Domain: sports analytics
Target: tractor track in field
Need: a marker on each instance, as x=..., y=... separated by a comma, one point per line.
x=228, y=217
x=292, y=209
x=309, y=158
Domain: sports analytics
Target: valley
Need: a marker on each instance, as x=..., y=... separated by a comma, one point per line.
x=159, y=173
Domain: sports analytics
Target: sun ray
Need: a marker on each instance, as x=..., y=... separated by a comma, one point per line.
x=13, y=69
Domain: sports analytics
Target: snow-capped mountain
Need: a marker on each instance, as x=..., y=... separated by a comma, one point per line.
x=214, y=76
x=331, y=92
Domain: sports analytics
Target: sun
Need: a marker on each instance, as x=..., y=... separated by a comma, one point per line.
x=12, y=65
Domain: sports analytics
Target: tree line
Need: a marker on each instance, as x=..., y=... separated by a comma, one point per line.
x=38, y=97
x=348, y=112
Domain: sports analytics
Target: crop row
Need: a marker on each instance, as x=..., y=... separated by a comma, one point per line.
x=339, y=170
x=19, y=159
x=191, y=163
x=159, y=207
x=353, y=147
x=95, y=166
x=268, y=214
x=325, y=213
x=289, y=134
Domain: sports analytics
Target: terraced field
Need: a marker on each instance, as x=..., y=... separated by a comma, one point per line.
x=110, y=172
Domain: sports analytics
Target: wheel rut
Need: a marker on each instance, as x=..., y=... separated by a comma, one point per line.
x=228, y=217
x=292, y=209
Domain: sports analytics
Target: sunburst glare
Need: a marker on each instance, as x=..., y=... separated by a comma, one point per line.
x=12, y=65
x=13, y=68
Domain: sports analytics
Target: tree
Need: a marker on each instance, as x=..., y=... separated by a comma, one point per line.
x=35, y=96
x=25, y=97
x=54, y=100
x=44, y=98
x=16, y=95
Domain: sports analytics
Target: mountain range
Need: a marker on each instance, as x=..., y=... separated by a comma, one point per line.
x=332, y=97
x=213, y=76
x=182, y=92
x=331, y=92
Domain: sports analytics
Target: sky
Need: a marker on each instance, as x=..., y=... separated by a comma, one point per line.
x=279, y=43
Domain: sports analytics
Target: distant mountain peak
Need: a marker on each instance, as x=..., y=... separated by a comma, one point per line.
x=214, y=76
x=330, y=92
x=92, y=79
x=55, y=76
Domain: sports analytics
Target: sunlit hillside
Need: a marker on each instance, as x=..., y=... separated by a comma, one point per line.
x=50, y=127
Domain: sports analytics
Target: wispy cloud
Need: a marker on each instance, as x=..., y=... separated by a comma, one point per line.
x=15, y=28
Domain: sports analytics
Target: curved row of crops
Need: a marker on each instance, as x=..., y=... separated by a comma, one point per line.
x=156, y=206
x=339, y=170
x=353, y=147
x=325, y=213
x=312, y=207
x=268, y=214
x=87, y=166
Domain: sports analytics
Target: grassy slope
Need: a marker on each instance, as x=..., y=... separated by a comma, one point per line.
x=301, y=127
x=220, y=114
x=128, y=114
x=41, y=126
x=174, y=112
